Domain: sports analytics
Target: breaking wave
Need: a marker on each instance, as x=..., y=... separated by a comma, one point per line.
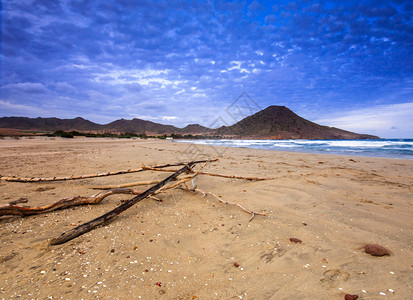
x=391, y=148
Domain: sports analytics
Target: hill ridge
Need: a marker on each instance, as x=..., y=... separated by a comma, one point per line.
x=275, y=122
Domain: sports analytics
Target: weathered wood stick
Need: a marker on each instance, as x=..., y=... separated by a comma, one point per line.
x=86, y=227
x=253, y=213
x=21, y=200
x=13, y=209
x=16, y=210
x=73, y=177
x=214, y=174
x=175, y=184
x=124, y=185
x=109, y=187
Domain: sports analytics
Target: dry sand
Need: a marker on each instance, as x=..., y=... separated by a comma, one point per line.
x=186, y=246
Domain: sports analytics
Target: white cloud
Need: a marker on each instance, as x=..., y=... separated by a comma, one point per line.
x=237, y=66
x=63, y=86
x=9, y=108
x=146, y=77
x=27, y=87
x=169, y=118
x=145, y=117
x=386, y=121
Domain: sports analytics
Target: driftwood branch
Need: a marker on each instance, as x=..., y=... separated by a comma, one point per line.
x=21, y=200
x=253, y=213
x=109, y=187
x=16, y=210
x=184, y=179
x=86, y=227
x=13, y=209
x=160, y=187
x=213, y=174
x=75, y=177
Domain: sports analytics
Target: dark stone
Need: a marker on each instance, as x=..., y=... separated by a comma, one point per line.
x=376, y=250
x=295, y=240
x=351, y=297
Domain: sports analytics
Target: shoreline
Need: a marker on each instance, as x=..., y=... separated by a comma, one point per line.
x=279, y=145
x=338, y=152
x=188, y=245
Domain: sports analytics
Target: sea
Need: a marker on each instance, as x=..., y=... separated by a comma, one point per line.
x=388, y=148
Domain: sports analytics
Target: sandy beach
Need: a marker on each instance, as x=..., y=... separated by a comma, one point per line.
x=194, y=247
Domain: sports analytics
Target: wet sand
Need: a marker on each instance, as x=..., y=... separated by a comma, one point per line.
x=189, y=246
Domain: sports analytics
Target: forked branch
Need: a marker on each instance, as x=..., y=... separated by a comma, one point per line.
x=86, y=227
x=130, y=184
x=214, y=174
x=253, y=213
x=75, y=177
x=13, y=209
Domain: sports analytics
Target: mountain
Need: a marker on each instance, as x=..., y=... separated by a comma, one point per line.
x=279, y=122
x=274, y=122
x=48, y=124
x=80, y=124
x=195, y=129
x=139, y=126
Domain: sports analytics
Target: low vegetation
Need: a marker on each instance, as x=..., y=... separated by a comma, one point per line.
x=128, y=135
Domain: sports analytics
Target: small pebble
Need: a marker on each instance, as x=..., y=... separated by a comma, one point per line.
x=376, y=250
x=236, y=264
x=383, y=294
x=295, y=240
x=351, y=297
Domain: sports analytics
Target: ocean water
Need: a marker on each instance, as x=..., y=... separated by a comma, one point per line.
x=389, y=148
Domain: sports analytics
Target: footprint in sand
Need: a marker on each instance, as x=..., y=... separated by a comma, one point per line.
x=332, y=277
x=269, y=256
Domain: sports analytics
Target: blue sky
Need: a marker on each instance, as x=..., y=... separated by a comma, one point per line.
x=339, y=63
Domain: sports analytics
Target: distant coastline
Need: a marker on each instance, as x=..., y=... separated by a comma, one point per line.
x=385, y=148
